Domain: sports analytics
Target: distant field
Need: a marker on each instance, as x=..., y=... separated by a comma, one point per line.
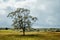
x=14, y=35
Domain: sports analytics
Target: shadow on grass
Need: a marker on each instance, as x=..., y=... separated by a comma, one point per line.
x=22, y=37
x=31, y=36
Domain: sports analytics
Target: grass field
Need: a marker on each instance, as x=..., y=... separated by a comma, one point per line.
x=14, y=35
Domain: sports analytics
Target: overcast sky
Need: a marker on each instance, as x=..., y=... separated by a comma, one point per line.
x=47, y=12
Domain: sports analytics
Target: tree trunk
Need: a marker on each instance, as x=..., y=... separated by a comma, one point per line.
x=23, y=30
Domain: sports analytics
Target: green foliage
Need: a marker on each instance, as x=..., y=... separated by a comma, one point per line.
x=21, y=18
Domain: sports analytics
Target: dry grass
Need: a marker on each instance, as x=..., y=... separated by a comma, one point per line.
x=14, y=35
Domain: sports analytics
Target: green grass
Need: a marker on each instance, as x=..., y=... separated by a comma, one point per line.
x=14, y=35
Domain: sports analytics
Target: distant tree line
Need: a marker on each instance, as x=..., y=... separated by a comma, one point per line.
x=5, y=28
x=49, y=29
x=37, y=29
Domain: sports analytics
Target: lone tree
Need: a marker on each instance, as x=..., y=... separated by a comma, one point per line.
x=22, y=19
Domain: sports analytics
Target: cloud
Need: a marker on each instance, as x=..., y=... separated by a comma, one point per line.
x=2, y=12
x=47, y=11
